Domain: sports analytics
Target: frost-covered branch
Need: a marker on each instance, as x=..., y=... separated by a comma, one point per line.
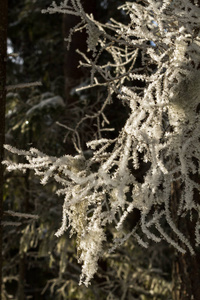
x=159, y=47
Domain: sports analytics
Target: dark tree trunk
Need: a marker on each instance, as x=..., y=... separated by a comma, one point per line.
x=3, y=58
x=186, y=276
x=186, y=267
x=73, y=74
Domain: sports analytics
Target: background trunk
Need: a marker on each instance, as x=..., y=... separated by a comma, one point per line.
x=3, y=58
x=73, y=74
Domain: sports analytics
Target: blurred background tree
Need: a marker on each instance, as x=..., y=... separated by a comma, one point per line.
x=37, y=265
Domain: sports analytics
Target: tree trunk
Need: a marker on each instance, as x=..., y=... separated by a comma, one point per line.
x=3, y=58
x=186, y=277
x=186, y=267
x=73, y=74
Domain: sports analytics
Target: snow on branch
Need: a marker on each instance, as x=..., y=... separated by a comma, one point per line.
x=23, y=85
x=21, y=215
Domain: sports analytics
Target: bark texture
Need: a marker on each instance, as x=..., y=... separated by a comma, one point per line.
x=186, y=267
x=3, y=58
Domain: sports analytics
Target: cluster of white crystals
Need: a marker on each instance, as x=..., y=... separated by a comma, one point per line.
x=159, y=47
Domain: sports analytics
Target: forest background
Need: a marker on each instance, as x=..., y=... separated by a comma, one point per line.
x=37, y=264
